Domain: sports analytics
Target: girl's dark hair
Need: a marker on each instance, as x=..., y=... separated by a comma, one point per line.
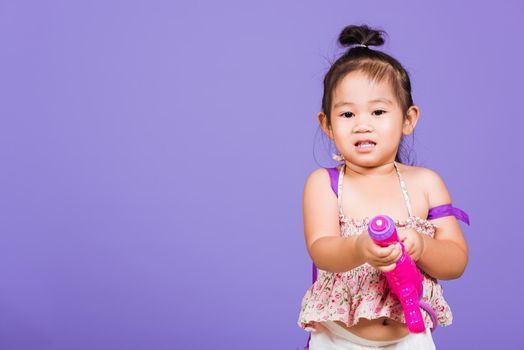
x=377, y=65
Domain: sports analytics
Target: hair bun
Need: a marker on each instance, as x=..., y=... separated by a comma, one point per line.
x=362, y=34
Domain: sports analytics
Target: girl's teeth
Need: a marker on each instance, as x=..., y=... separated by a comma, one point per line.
x=367, y=144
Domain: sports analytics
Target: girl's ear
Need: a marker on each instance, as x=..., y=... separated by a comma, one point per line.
x=411, y=120
x=322, y=120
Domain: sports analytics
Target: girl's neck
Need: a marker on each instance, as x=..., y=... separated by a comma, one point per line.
x=381, y=171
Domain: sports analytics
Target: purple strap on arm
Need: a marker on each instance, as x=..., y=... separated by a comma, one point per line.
x=333, y=177
x=447, y=210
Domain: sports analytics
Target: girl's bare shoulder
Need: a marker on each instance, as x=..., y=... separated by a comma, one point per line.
x=413, y=171
x=425, y=180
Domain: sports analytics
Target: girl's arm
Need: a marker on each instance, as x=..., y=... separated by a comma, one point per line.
x=446, y=255
x=328, y=250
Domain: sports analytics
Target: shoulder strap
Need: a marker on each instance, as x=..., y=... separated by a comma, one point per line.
x=404, y=189
x=447, y=210
x=333, y=177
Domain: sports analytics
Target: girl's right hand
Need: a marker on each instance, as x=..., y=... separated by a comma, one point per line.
x=382, y=258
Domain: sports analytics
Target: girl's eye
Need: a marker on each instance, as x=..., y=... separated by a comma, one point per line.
x=348, y=114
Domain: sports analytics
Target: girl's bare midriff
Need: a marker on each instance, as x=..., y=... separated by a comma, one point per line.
x=382, y=328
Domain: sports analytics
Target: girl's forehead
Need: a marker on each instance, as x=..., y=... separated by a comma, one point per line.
x=359, y=88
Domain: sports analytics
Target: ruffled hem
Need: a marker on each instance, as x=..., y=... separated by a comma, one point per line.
x=308, y=322
x=340, y=297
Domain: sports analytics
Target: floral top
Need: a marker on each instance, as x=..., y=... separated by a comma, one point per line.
x=363, y=292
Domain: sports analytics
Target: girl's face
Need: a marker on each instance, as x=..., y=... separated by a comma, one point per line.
x=366, y=110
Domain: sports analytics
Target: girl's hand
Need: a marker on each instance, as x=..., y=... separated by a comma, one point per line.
x=413, y=242
x=382, y=258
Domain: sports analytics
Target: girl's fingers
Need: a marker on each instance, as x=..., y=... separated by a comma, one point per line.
x=384, y=252
x=385, y=258
x=380, y=252
x=408, y=246
x=387, y=268
x=394, y=254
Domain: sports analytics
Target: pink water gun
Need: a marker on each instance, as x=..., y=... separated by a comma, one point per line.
x=405, y=280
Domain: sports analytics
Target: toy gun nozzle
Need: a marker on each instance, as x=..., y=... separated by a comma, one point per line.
x=379, y=224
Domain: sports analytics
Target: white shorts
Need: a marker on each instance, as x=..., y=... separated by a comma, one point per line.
x=332, y=336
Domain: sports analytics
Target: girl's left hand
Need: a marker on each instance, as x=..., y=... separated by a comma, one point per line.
x=413, y=242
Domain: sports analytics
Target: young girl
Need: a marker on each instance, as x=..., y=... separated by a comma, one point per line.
x=366, y=109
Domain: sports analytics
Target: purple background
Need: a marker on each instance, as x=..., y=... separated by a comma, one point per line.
x=154, y=154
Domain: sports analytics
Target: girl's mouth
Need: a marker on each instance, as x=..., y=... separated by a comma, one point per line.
x=365, y=146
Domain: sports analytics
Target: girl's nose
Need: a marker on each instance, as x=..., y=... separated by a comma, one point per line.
x=362, y=124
